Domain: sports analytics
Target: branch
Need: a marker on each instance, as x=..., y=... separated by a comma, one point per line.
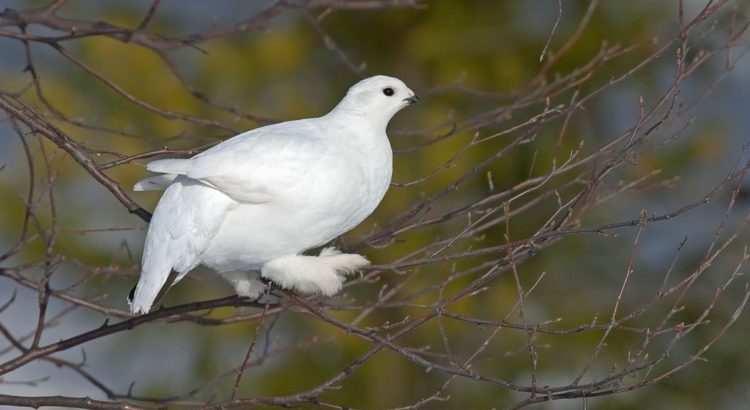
x=38, y=125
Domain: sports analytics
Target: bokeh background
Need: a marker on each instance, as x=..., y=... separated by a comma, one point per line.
x=464, y=58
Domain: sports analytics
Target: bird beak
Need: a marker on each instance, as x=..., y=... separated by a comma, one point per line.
x=412, y=100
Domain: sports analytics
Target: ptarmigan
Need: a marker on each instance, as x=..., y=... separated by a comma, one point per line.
x=253, y=204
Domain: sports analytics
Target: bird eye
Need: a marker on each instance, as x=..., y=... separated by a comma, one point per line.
x=388, y=91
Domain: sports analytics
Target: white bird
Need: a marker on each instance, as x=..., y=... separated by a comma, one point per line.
x=253, y=204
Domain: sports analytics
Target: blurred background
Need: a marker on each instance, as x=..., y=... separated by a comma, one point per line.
x=476, y=65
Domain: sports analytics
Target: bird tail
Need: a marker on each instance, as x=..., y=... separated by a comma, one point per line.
x=153, y=283
x=141, y=300
x=188, y=216
x=144, y=301
x=156, y=276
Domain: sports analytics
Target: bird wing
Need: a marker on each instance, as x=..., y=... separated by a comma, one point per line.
x=155, y=183
x=255, y=166
x=187, y=218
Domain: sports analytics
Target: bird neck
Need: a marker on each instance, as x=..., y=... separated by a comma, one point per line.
x=347, y=114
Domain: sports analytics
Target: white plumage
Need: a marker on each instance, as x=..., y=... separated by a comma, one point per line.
x=252, y=204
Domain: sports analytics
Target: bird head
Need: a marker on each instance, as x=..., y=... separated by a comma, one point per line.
x=378, y=98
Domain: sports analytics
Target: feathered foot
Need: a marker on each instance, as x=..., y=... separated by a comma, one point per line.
x=246, y=284
x=323, y=274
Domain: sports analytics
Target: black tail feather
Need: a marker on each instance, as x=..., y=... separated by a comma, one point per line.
x=170, y=281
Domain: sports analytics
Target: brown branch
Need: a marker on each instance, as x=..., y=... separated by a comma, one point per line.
x=64, y=401
x=107, y=329
x=79, y=153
